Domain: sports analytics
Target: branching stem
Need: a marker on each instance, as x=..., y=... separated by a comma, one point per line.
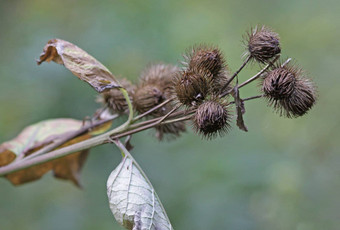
x=248, y=98
x=121, y=131
x=68, y=137
x=151, y=110
x=234, y=75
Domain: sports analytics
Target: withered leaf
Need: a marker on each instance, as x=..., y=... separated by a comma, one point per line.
x=128, y=144
x=240, y=109
x=37, y=136
x=80, y=63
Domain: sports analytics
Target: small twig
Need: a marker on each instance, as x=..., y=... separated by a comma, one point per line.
x=68, y=137
x=129, y=103
x=248, y=98
x=175, y=114
x=148, y=126
x=169, y=113
x=286, y=62
x=118, y=132
x=234, y=75
x=256, y=76
x=177, y=119
x=153, y=109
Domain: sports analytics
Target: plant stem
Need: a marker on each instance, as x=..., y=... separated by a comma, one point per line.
x=148, y=126
x=83, y=130
x=118, y=132
x=151, y=110
x=234, y=75
x=256, y=76
x=68, y=137
x=52, y=155
x=248, y=98
x=128, y=101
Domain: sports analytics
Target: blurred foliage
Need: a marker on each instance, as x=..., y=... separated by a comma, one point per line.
x=282, y=174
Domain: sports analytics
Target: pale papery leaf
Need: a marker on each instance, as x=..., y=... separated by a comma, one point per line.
x=80, y=63
x=133, y=201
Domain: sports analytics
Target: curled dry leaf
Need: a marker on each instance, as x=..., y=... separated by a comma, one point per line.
x=133, y=201
x=80, y=63
x=35, y=137
x=240, y=109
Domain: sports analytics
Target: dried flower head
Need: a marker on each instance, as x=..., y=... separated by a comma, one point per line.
x=206, y=57
x=211, y=119
x=279, y=83
x=154, y=87
x=148, y=96
x=263, y=44
x=302, y=99
x=289, y=91
x=114, y=99
x=192, y=86
x=160, y=74
x=171, y=130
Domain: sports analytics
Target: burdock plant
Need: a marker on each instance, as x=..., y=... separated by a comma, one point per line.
x=166, y=98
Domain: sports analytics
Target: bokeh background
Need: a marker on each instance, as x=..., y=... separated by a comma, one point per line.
x=282, y=174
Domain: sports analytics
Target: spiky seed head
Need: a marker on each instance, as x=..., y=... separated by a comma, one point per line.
x=301, y=100
x=279, y=83
x=155, y=85
x=159, y=74
x=206, y=57
x=192, y=86
x=148, y=96
x=211, y=119
x=290, y=92
x=263, y=44
x=114, y=99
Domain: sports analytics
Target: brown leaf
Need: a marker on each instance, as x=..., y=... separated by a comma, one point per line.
x=80, y=63
x=69, y=167
x=239, y=109
x=35, y=137
x=30, y=174
x=128, y=144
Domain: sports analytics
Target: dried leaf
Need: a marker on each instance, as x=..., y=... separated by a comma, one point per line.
x=69, y=167
x=80, y=63
x=240, y=109
x=133, y=201
x=37, y=136
x=128, y=144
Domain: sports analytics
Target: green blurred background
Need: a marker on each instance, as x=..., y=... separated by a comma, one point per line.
x=282, y=174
